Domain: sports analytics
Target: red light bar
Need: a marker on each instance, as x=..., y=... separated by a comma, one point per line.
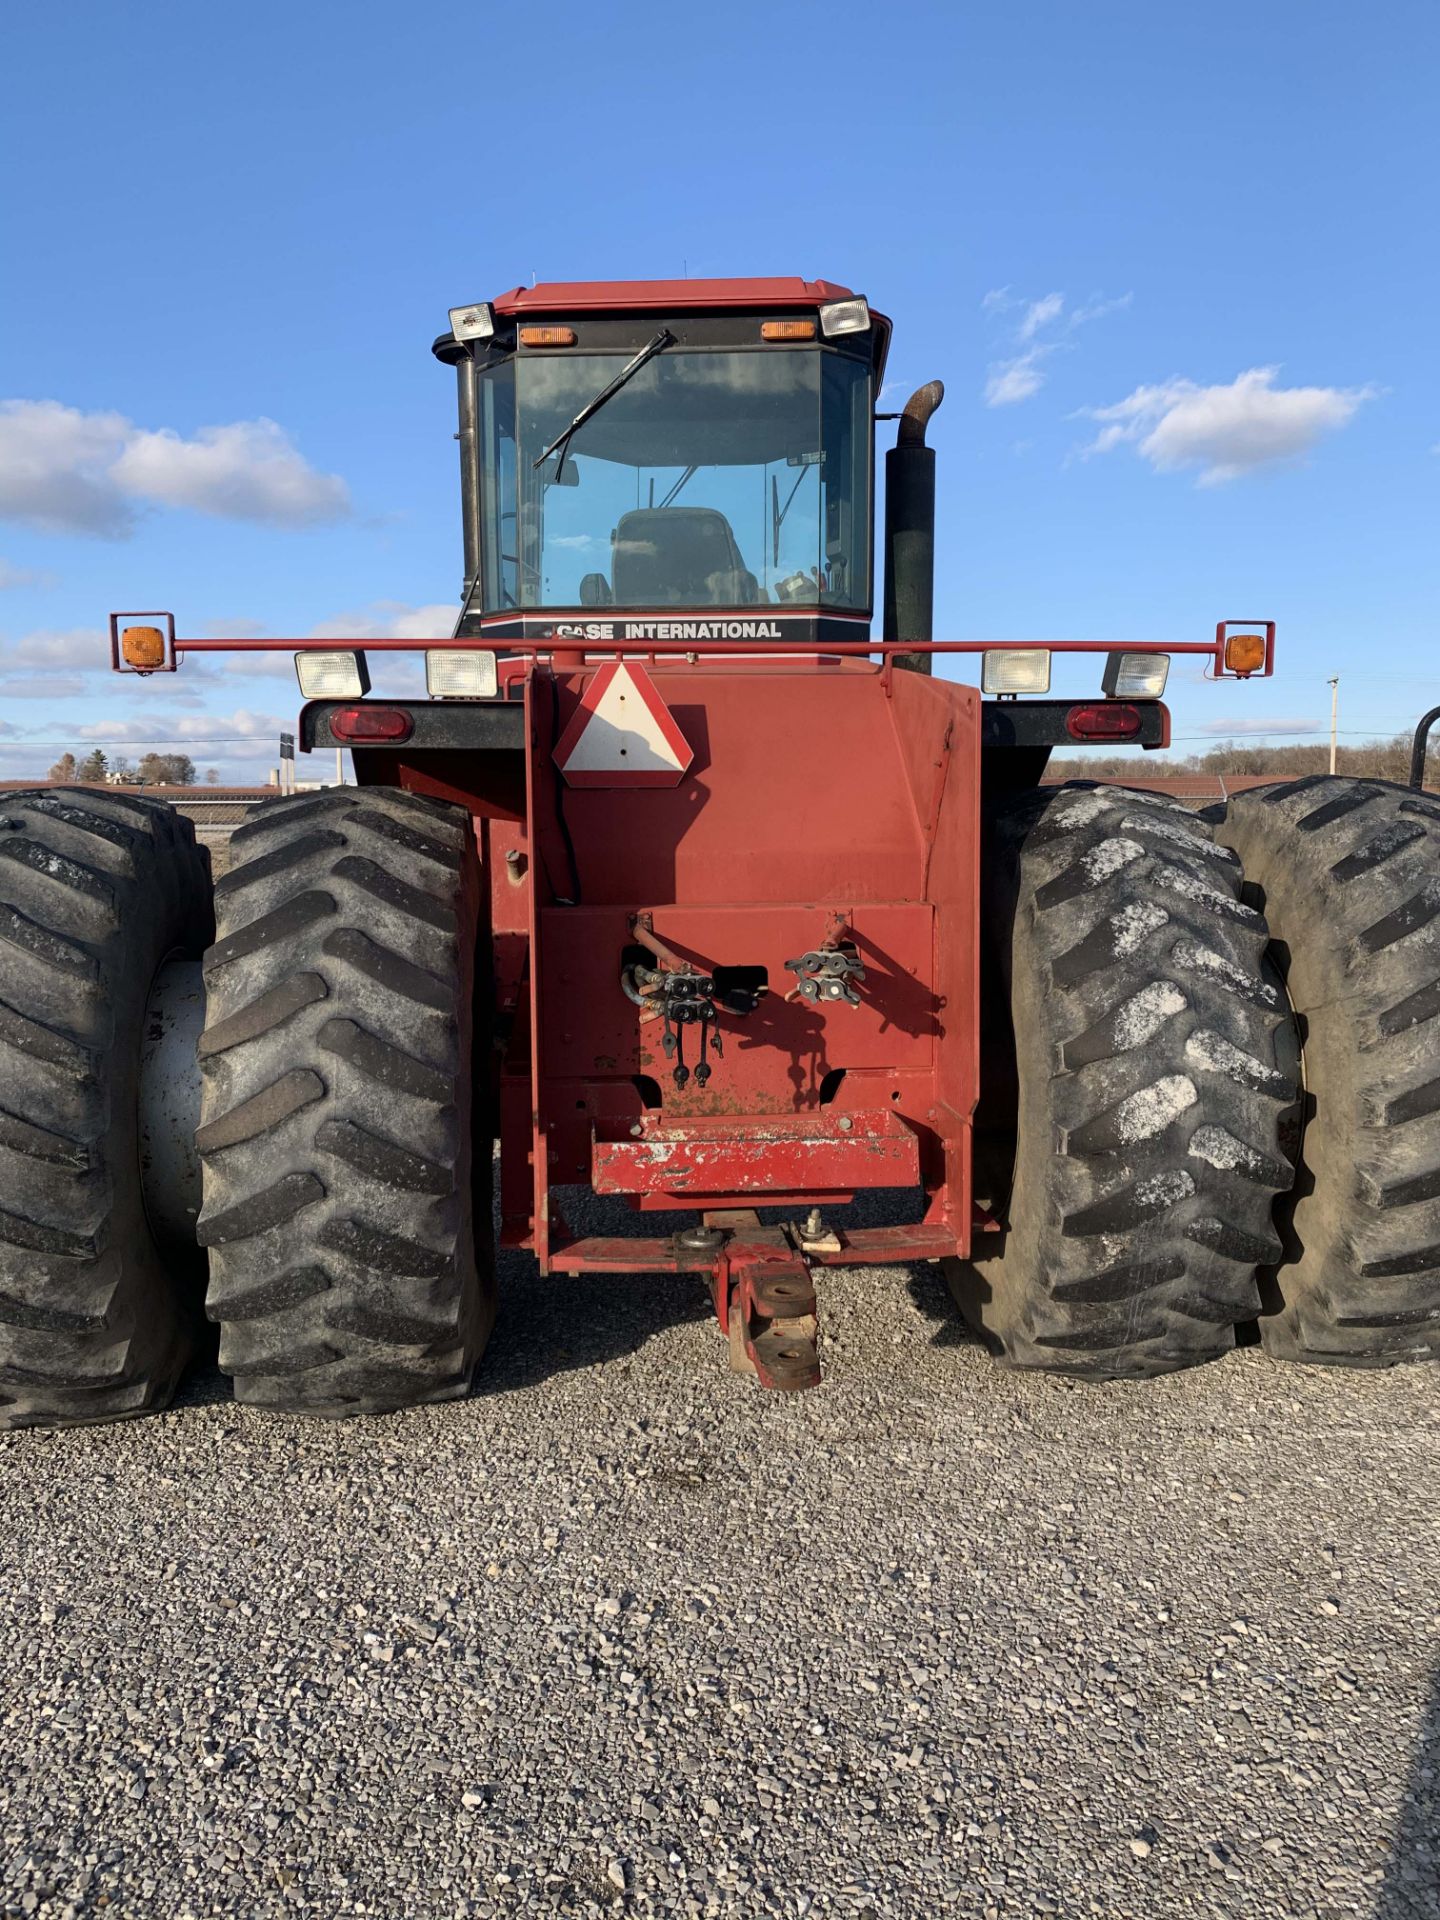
x=1103, y=720
x=371, y=723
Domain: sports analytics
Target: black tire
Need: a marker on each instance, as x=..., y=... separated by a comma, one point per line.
x=350, y=1271
x=97, y=890
x=1128, y=1134
x=1349, y=874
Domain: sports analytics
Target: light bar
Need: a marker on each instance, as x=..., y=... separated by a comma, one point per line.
x=332, y=676
x=1016, y=670
x=472, y=323
x=1135, y=676
x=845, y=316
x=453, y=673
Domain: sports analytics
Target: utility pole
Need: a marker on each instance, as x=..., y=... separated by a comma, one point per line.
x=339, y=766
x=1334, y=686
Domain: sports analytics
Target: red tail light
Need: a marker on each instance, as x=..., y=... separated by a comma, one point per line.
x=1103, y=720
x=371, y=723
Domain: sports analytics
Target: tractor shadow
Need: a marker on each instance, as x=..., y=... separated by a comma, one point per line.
x=939, y=1306
x=568, y=1321
x=545, y=1327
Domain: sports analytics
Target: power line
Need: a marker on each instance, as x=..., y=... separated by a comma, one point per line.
x=146, y=740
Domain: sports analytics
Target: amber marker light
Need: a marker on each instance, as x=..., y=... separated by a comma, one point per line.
x=787, y=329
x=547, y=336
x=143, y=648
x=1245, y=652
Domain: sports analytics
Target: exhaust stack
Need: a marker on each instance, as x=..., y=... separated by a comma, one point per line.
x=910, y=528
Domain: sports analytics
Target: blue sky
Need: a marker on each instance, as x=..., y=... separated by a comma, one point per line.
x=1177, y=267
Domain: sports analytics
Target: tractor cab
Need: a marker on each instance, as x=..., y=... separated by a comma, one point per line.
x=633, y=452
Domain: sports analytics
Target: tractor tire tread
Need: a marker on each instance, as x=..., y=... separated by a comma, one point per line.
x=1349, y=871
x=97, y=889
x=345, y=1275
x=1152, y=1088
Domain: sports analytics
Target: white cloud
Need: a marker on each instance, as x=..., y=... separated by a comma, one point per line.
x=1040, y=313
x=167, y=728
x=12, y=577
x=42, y=686
x=390, y=620
x=59, y=647
x=1224, y=430
x=65, y=471
x=54, y=466
x=1098, y=308
x=1012, y=380
x=1224, y=729
x=1044, y=328
x=248, y=471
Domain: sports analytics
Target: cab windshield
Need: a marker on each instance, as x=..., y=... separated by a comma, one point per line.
x=721, y=478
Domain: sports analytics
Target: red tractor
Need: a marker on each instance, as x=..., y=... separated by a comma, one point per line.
x=683, y=888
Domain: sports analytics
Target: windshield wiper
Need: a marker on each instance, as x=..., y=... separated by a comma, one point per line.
x=662, y=340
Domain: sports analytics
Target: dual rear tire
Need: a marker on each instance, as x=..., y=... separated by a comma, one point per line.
x=1213, y=1079
x=348, y=1234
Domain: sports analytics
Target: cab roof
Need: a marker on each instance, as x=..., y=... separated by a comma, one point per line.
x=666, y=296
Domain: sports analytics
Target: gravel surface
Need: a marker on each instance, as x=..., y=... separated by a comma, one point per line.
x=621, y=1634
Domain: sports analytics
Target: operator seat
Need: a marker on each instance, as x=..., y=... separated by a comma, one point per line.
x=679, y=557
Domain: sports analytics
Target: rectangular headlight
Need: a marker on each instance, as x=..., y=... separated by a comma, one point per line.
x=844, y=316
x=472, y=323
x=454, y=673
x=1016, y=670
x=1135, y=676
x=332, y=676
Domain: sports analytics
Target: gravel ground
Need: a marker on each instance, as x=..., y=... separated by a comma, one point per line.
x=622, y=1634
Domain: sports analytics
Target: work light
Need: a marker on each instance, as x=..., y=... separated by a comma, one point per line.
x=454, y=673
x=1016, y=670
x=472, y=323
x=1135, y=676
x=844, y=316
x=332, y=676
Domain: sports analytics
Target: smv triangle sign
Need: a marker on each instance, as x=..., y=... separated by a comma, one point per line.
x=622, y=734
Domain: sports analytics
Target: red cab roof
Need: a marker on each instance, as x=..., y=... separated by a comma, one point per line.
x=610, y=296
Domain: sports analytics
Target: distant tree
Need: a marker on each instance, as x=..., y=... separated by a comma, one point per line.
x=65, y=768
x=212, y=776
x=166, y=770
x=122, y=773
x=1367, y=760
x=94, y=766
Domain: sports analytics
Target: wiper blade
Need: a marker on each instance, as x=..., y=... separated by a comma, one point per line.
x=561, y=443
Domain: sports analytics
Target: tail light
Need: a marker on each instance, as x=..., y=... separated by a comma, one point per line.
x=359, y=724
x=1103, y=720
